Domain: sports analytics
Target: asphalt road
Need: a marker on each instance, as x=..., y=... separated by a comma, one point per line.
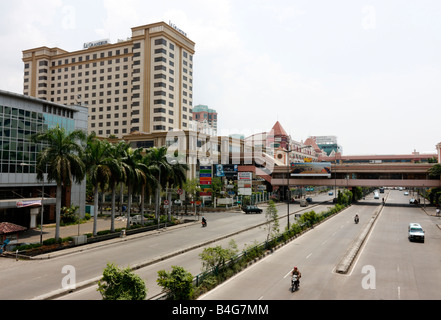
x=190, y=260
x=39, y=278
x=388, y=266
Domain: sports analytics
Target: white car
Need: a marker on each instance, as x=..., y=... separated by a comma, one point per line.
x=415, y=232
x=406, y=193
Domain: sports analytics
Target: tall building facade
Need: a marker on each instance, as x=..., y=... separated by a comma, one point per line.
x=142, y=84
x=21, y=194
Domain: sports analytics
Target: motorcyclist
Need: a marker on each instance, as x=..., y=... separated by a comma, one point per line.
x=356, y=218
x=204, y=222
x=296, y=272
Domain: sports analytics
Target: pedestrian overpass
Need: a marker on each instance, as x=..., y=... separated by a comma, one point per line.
x=409, y=175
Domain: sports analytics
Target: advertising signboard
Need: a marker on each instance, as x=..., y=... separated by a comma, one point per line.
x=245, y=183
x=226, y=170
x=312, y=169
x=205, y=181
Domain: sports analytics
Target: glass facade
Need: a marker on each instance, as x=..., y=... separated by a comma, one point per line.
x=16, y=129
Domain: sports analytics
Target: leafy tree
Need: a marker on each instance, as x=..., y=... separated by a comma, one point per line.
x=272, y=219
x=69, y=214
x=345, y=197
x=191, y=187
x=309, y=218
x=435, y=171
x=178, y=284
x=121, y=284
x=215, y=257
x=216, y=188
x=63, y=159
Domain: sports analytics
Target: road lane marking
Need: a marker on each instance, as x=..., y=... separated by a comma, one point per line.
x=399, y=293
x=308, y=256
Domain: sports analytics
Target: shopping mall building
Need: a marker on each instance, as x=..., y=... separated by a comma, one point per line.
x=21, y=194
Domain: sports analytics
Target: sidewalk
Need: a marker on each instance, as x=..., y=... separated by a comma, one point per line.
x=103, y=223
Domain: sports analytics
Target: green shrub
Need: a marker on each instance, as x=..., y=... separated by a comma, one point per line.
x=51, y=241
x=118, y=284
x=178, y=284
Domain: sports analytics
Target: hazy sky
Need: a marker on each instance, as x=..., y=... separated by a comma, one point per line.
x=368, y=72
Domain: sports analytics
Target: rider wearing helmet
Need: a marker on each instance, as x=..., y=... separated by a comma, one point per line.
x=296, y=272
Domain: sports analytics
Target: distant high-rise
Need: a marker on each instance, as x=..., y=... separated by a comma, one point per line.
x=328, y=144
x=144, y=83
x=205, y=118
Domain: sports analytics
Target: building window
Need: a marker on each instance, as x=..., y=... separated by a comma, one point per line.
x=160, y=42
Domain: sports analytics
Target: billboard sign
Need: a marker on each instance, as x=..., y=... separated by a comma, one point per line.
x=311, y=169
x=205, y=180
x=226, y=170
x=245, y=183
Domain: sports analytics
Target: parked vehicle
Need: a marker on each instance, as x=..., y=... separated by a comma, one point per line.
x=303, y=203
x=252, y=209
x=135, y=219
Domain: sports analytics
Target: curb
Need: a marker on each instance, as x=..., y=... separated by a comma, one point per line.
x=349, y=257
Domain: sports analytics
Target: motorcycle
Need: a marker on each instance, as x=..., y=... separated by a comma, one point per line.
x=204, y=224
x=295, y=283
x=356, y=220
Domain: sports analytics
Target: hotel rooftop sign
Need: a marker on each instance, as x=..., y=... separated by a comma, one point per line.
x=177, y=29
x=97, y=43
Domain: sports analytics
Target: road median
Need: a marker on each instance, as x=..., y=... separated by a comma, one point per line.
x=351, y=253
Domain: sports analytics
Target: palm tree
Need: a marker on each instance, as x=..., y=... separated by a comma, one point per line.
x=117, y=173
x=98, y=170
x=134, y=172
x=157, y=157
x=148, y=184
x=63, y=159
x=176, y=179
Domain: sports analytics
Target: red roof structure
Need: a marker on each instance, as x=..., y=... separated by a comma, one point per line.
x=278, y=130
x=7, y=228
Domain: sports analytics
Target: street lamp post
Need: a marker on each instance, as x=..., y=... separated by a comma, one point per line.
x=288, y=164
